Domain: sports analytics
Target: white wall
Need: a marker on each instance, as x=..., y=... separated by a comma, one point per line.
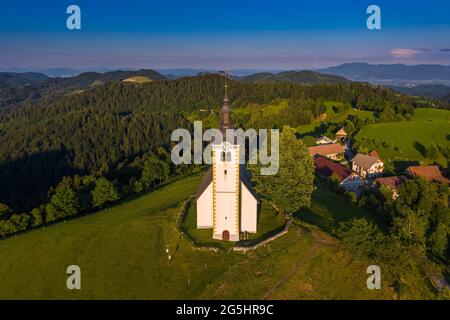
x=226, y=216
x=205, y=208
x=249, y=210
x=226, y=193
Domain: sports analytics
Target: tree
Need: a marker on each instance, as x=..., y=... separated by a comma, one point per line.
x=438, y=240
x=104, y=192
x=291, y=188
x=36, y=215
x=63, y=203
x=155, y=170
x=4, y=210
x=361, y=237
x=410, y=226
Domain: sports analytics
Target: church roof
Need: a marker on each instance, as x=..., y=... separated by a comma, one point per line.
x=244, y=177
x=206, y=180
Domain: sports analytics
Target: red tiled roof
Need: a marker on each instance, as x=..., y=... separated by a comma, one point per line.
x=326, y=149
x=431, y=173
x=374, y=154
x=390, y=182
x=327, y=168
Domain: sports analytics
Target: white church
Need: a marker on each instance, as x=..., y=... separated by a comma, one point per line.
x=226, y=201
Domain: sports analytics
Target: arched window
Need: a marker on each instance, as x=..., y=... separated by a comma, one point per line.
x=229, y=156
x=222, y=156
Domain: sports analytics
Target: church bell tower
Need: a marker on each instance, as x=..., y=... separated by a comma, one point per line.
x=225, y=171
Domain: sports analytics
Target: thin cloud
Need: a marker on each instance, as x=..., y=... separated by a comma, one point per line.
x=403, y=52
x=445, y=50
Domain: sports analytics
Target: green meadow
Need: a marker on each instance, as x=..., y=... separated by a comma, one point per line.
x=405, y=140
x=122, y=255
x=331, y=116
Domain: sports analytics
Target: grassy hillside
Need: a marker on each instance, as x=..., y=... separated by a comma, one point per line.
x=331, y=116
x=121, y=252
x=405, y=140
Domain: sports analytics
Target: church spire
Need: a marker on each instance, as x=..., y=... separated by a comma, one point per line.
x=225, y=112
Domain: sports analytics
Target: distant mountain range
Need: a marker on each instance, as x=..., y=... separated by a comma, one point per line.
x=307, y=77
x=368, y=72
x=37, y=84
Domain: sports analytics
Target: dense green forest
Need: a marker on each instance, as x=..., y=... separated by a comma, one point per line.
x=69, y=127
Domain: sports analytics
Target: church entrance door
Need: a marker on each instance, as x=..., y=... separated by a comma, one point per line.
x=226, y=235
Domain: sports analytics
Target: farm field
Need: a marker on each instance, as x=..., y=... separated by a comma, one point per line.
x=121, y=253
x=406, y=140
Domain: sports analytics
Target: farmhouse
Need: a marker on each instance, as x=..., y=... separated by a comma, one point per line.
x=341, y=135
x=324, y=140
x=332, y=151
x=347, y=179
x=367, y=166
x=391, y=183
x=430, y=173
x=226, y=201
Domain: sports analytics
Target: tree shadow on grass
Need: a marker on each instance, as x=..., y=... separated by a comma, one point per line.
x=309, y=216
x=420, y=147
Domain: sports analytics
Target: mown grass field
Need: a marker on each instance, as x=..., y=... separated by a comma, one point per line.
x=121, y=253
x=137, y=79
x=331, y=116
x=429, y=126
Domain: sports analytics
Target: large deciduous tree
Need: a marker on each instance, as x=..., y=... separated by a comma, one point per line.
x=290, y=189
x=104, y=192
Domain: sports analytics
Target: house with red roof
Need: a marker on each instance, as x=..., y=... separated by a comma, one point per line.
x=333, y=151
x=430, y=173
x=327, y=168
x=391, y=183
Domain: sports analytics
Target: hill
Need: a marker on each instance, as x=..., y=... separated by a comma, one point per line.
x=121, y=253
x=14, y=79
x=305, y=77
x=365, y=71
x=52, y=89
x=406, y=140
x=87, y=78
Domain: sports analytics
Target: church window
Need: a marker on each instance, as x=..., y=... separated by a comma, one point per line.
x=222, y=155
x=229, y=156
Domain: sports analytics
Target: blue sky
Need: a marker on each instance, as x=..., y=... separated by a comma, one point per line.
x=231, y=34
